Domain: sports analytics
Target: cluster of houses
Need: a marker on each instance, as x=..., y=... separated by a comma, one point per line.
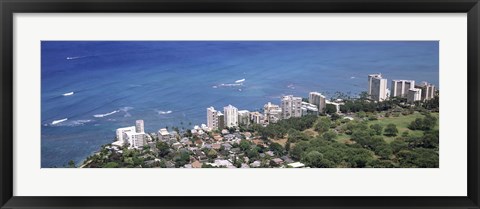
x=220, y=145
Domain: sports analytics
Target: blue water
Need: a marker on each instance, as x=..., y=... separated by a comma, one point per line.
x=172, y=83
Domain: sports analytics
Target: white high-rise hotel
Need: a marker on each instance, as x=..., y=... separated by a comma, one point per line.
x=377, y=87
x=413, y=95
x=291, y=107
x=212, y=118
x=318, y=100
x=428, y=90
x=231, y=116
x=134, y=135
x=400, y=88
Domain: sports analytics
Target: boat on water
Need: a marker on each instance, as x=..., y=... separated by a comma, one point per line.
x=68, y=94
x=59, y=121
x=240, y=81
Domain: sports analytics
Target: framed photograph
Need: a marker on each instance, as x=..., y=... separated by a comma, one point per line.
x=239, y=104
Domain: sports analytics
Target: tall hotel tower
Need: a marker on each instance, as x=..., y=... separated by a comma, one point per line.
x=400, y=88
x=231, y=116
x=139, y=127
x=318, y=100
x=377, y=87
x=212, y=118
x=291, y=107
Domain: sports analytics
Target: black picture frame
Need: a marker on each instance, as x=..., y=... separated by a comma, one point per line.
x=9, y=7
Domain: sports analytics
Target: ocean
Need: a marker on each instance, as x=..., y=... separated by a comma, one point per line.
x=91, y=88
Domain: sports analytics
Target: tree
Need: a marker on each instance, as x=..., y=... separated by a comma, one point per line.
x=287, y=146
x=391, y=130
x=253, y=153
x=244, y=145
x=277, y=148
x=362, y=114
x=329, y=135
x=295, y=135
x=418, y=158
x=212, y=154
x=377, y=128
x=330, y=109
x=111, y=165
x=181, y=159
x=315, y=159
x=384, y=151
x=427, y=123
x=362, y=136
x=323, y=125
x=298, y=150
x=398, y=145
x=163, y=149
x=71, y=164
x=334, y=116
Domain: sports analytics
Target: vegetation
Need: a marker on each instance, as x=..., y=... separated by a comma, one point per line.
x=386, y=134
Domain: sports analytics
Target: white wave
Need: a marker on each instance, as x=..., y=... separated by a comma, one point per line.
x=125, y=109
x=106, y=114
x=353, y=77
x=229, y=84
x=240, y=81
x=78, y=122
x=74, y=58
x=164, y=112
x=59, y=121
x=68, y=94
x=64, y=122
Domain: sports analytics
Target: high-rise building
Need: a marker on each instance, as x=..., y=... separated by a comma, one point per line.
x=220, y=120
x=272, y=112
x=139, y=127
x=309, y=109
x=256, y=117
x=377, y=87
x=122, y=131
x=133, y=135
x=135, y=140
x=291, y=106
x=414, y=95
x=212, y=118
x=163, y=134
x=231, y=116
x=317, y=99
x=243, y=117
x=428, y=90
x=400, y=88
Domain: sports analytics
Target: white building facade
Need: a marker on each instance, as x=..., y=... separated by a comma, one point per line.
x=134, y=135
x=291, y=107
x=428, y=90
x=272, y=112
x=400, y=88
x=139, y=126
x=414, y=95
x=317, y=99
x=243, y=117
x=230, y=116
x=212, y=118
x=377, y=87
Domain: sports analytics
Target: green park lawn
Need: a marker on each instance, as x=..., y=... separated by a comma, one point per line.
x=401, y=122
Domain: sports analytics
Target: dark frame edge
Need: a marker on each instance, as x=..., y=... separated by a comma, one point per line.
x=473, y=21
x=6, y=94
x=7, y=200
